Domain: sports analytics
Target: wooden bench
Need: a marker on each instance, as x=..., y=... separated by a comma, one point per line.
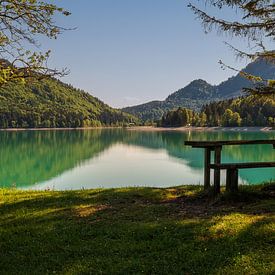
x=232, y=171
x=232, y=168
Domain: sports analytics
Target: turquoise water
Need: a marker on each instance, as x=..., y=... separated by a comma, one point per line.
x=76, y=159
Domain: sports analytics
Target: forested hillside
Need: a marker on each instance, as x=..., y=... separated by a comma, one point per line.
x=199, y=93
x=243, y=111
x=51, y=103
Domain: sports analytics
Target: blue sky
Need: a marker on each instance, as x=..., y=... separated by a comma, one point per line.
x=127, y=52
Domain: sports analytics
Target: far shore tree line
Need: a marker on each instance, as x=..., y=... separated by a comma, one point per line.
x=23, y=119
x=245, y=111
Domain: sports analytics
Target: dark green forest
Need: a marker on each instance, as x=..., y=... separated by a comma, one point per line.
x=243, y=111
x=50, y=103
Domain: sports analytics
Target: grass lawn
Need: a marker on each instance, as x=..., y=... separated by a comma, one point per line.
x=137, y=230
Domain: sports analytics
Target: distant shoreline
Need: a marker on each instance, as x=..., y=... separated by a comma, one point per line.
x=56, y=129
x=202, y=129
x=154, y=129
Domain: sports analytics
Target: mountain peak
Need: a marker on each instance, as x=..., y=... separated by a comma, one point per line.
x=198, y=88
x=198, y=82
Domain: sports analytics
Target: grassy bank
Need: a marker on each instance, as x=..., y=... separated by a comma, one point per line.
x=137, y=230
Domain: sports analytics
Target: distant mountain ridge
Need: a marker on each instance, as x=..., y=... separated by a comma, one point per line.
x=199, y=92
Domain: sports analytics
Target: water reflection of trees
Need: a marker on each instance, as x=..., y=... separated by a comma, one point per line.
x=31, y=157
x=173, y=142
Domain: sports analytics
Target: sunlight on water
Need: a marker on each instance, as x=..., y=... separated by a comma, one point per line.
x=124, y=165
x=79, y=159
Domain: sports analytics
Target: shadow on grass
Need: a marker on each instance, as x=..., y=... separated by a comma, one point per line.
x=124, y=231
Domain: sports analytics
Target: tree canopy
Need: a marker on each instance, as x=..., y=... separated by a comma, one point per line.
x=244, y=111
x=256, y=24
x=21, y=23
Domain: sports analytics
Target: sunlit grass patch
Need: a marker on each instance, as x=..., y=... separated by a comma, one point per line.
x=84, y=211
x=232, y=224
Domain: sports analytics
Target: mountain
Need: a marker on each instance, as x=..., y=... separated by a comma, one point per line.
x=233, y=86
x=51, y=103
x=199, y=93
x=193, y=96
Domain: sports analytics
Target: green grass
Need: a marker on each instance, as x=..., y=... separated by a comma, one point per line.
x=135, y=231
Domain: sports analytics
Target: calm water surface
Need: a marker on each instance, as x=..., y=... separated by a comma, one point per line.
x=115, y=158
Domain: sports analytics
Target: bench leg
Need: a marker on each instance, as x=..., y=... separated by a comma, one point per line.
x=207, y=158
x=232, y=176
x=217, y=172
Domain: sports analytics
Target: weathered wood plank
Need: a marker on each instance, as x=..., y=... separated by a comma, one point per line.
x=204, y=144
x=246, y=165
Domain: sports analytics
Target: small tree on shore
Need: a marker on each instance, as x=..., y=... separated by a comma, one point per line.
x=256, y=25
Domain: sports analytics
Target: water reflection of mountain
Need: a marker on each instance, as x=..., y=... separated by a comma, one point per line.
x=172, y=142
x=31, y=157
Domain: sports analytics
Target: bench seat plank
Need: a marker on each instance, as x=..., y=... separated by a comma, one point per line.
x=203, y=144
x=223, y=166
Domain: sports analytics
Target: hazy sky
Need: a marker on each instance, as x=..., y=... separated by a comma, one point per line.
x=127, y=52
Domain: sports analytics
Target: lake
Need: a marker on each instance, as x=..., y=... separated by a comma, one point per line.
x=77, y=159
